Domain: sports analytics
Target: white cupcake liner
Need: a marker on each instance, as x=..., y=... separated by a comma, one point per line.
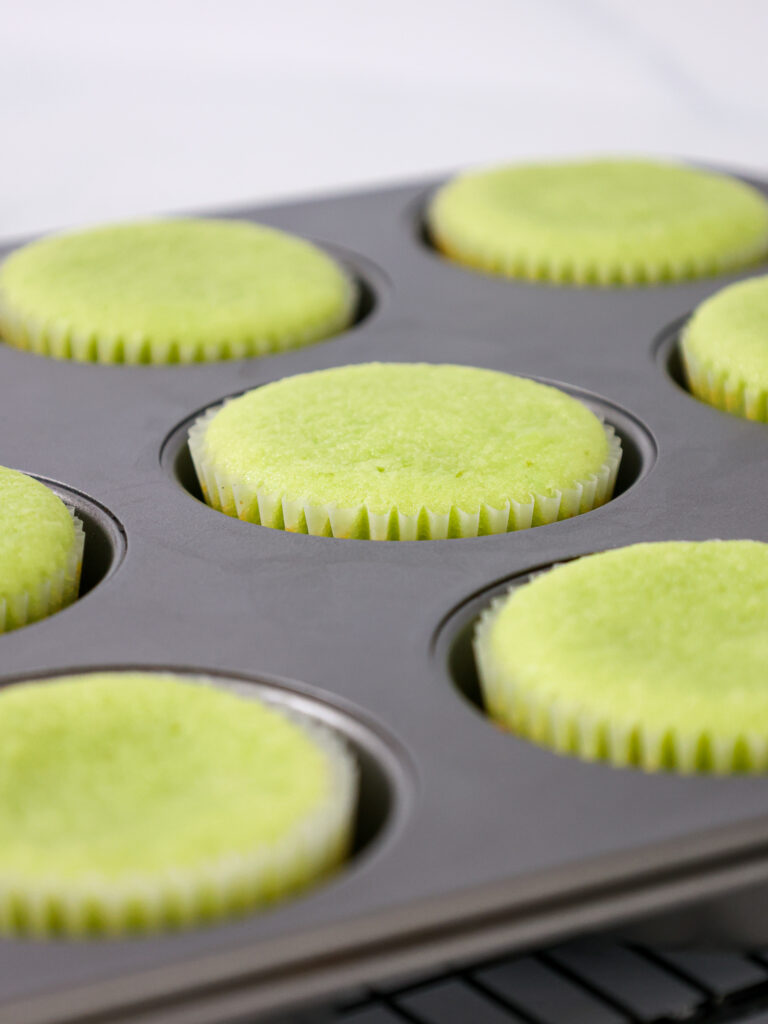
x=588, y=272
x=722, y=388
x=182, y=897
x=254, y=504
x=51, y=593
x=567, y=727
x=61, y=340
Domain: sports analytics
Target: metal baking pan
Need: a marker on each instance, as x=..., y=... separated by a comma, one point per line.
x=469, y=840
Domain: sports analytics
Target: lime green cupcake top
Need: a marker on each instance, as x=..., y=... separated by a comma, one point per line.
x=652, y=654
x=600, y=222
x=409, y=435
x=725, y=348
x=37, y=534
x=135, y=800
x=171, y=291
x=405, y=437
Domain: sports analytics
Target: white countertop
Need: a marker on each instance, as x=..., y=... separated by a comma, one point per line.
x=111, y=110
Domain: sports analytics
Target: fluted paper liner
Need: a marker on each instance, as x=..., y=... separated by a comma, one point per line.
x=60, y=340
x=568, y=728
x=52, y=592
x=253, y=504
x=180, y=897
x=554, y=270
x=722, y=388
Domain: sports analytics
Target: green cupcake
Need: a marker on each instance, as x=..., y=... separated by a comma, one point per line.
x=41, y=551
x=651, y=655
x=725, y=350
x=178, y=291
x=600, y=222
x=404, y=451
x=133, y=801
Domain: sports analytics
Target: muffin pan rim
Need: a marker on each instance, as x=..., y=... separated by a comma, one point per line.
x=81, y=501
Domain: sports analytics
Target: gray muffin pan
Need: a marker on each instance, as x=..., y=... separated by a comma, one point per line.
x=469, y=840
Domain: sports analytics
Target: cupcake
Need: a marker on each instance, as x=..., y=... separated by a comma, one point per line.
x=651, y=655
x=724, y=347
x=41, y=551
x=134, y=801
x=599, y=222
x=178, y=291
x=404, y=451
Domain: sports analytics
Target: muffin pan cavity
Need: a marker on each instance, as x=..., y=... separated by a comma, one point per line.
x=668, y=355
x=453, y=642
x=176, y=460
x=370, y=281
x=387, y=784
x=669, y=358
x=105, y=539
x=638, y=445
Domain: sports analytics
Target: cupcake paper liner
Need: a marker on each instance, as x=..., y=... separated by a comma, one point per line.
x=722, y=389
x=62, y=341
x=286, y=512
x=182, y=897
x=568, y=728
x=521, y=266
x=51, y=593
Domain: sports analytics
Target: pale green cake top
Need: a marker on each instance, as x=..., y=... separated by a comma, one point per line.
x=117, y=775
x=407, y=436
x=729, y=332
x=672, y=636
x=37, y=533
x=191, y=285
x=600, y=221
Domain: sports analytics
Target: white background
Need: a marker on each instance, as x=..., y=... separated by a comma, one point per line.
x=109, y=110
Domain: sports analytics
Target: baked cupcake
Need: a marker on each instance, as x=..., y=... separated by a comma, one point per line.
x=177, y=291
x=651, y=655
x=134, y=801
x=599, y=222
x=41, y=551
x=724, y=347
x=404, y=451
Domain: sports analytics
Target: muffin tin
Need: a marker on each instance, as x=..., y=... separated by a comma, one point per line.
x=469, y=840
